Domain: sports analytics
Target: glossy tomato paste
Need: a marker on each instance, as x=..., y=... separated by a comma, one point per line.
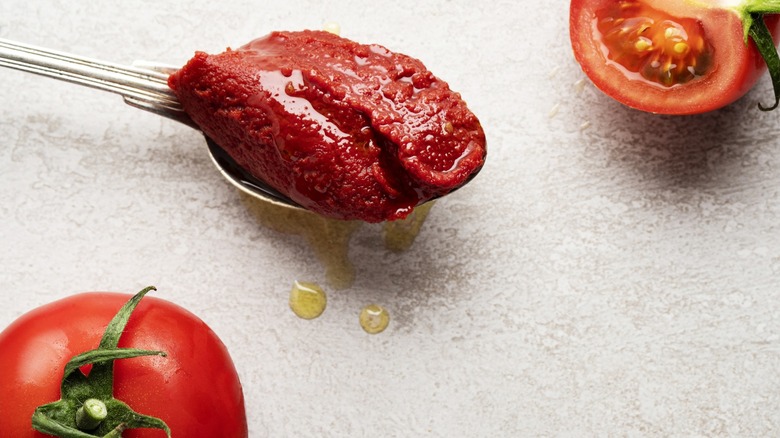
x=346, y=130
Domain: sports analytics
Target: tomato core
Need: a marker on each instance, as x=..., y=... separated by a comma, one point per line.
x=662, y=49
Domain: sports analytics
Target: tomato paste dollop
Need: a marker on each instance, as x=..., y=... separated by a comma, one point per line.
x=347, y=130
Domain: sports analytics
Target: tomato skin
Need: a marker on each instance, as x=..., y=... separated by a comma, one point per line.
x=195, y=389
x=736, y=67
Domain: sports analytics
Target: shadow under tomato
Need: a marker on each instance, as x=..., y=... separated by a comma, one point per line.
x=697, y=151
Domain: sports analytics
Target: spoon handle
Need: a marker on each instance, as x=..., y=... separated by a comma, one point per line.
x=144, y=85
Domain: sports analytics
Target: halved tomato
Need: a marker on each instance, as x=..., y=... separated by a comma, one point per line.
x=669, y=56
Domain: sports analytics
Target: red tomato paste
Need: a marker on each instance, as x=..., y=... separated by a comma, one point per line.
x=346, y=130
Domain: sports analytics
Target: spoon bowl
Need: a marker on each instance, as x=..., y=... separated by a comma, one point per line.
x=244, y=181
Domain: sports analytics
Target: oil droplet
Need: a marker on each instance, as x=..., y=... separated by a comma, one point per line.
x=374, y=319
x=307, y=300
x=400, y=234
x=329, y=238
x=332, y=27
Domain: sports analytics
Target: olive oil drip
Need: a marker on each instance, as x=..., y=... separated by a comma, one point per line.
x=329, y=239
x=374, y=319
x=400, y=235
x=307, y=300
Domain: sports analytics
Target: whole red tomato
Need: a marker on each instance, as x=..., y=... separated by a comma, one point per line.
x=671, y=56
x=194, y=388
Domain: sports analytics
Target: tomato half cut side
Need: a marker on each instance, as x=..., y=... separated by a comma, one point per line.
x=665, y=56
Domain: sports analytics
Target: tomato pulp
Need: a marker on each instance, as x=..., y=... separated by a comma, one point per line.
x=195, y=389
x=347, y=130
x=667, y=56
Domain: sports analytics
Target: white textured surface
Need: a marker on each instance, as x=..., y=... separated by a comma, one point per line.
x=608, y=273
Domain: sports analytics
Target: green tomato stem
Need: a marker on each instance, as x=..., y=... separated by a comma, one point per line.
x=766, y=47
x=752, y=14
x=91, y=414
x=760, y=6
x=116, y=432
x=69, y=417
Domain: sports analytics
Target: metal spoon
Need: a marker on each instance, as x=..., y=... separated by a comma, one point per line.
x=143, y=85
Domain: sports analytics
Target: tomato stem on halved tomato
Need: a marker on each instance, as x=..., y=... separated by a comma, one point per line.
x=759, y=33
x=752, y=12
x=69, y=417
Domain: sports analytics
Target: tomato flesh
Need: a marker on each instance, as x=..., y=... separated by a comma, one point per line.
x=662, y=49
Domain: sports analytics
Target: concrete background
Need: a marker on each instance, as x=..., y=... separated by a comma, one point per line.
x=608, y=273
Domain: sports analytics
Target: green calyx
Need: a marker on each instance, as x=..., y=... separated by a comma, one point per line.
x=87, y=407
x=752, y=13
